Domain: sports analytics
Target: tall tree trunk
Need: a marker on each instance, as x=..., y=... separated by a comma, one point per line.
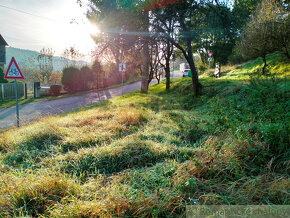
x=265, y=64
x=197, y=87
x=158, y=79
x=167, y=73
x=195, y=82
x=145, y=55
x=167, y=64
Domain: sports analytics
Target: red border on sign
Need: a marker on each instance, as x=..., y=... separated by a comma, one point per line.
x=6, y=77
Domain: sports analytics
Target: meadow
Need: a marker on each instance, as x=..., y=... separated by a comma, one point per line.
x=153, y=154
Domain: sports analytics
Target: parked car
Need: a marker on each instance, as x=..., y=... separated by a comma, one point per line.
x=185, y=73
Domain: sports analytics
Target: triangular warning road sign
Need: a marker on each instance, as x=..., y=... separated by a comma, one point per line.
x=13, y=71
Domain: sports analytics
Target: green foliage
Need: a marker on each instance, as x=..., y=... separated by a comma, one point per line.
x=2, y=80
x=267, y=32
x=242, y=10
x=70, y=79
x=98, y=74
x=86, y=76
x=75, y=80
x=235, y=57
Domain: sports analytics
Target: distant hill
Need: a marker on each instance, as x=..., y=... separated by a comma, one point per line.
x=28, y=58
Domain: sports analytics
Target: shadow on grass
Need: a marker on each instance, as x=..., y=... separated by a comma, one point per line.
x=109, y=160
x=33, y=150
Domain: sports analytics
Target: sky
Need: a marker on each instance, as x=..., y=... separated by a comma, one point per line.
x=56, y=24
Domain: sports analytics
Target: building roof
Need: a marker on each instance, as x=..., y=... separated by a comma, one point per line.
x=2, y=41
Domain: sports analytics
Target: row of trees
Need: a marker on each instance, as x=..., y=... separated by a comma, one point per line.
x=152, y=31
x=97, y=76
x=85, y=78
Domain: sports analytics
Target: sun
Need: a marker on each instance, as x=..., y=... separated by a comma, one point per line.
x=92, y=29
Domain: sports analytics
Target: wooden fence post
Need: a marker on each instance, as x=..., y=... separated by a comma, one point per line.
x=2, y=88
x=25, y=90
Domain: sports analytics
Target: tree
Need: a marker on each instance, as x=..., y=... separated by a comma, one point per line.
x=71, y=56
x=183, y=11
x=45, y=63
x=218, y=35
x=265, y=33
x=145, y=52
x=164, y=60
x=55, y=78
x=98, y=74
x=118, y=20
x=242, y=10
x=154, y=60
x=85, y=78
x=163, y=25
x=2, y=80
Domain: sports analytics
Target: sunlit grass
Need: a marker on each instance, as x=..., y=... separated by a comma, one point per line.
x=150, y=155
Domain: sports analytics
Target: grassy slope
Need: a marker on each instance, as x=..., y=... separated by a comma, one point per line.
x=142, y=155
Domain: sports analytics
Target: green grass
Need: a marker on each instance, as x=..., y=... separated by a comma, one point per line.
x=12, y=102
x=151, y=155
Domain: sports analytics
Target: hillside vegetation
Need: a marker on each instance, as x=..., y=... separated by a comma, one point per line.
x=27, y=59
x=151, y=155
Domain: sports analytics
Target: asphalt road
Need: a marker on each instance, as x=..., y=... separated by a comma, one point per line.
x=35, y=110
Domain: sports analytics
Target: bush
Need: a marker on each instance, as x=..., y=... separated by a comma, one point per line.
x=55, y=90
x=236, y=58
x=70, y=79
x=75, y=80
x=2, y=80
x=86, y=77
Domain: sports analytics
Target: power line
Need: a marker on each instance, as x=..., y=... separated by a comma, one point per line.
x=72, y=21
x=27, y=13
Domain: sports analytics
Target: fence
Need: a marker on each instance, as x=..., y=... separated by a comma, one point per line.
x=7, y=90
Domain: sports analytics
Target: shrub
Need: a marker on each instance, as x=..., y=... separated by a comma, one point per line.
x=85, y=77
x=2, y=80
x=55, y=90
x=70, y=79
x=236, y=58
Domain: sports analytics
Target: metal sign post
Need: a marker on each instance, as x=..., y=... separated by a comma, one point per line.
x=122, y=82
x=16, y=97
x=209, y=60
x=13, y=72
x=122, y=68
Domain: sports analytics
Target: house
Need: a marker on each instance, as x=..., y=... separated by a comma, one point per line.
x=3, y=45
